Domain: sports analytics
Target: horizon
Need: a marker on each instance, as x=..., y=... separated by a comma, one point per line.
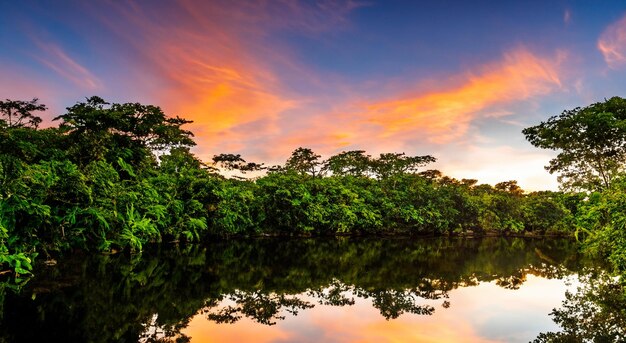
x=453, y=80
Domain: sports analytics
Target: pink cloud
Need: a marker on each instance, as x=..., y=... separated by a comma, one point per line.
x=612, y=44
x=213, y=65
x=433, y=118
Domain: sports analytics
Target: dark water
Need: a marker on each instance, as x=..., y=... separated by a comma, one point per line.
x=276, y=290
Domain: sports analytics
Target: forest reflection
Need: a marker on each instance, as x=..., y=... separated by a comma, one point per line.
x=152, y=297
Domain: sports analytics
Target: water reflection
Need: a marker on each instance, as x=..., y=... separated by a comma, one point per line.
x=596, y=312
x=155, y=296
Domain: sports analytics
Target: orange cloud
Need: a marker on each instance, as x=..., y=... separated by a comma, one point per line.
x=212, y=64
x=612, y=44
x=55, y=58
x=219, y=97
x=428, y=118
x=443, y=116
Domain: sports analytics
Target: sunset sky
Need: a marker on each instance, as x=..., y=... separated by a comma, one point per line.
x=455, y=79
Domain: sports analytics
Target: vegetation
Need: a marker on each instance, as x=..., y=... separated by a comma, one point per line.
x=114, y=177
x=591, y=142
x=595, y=313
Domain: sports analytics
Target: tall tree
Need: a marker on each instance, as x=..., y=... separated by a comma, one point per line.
x=355, y=163
x=591, y=144
x=304, y=161
x=391, y=164
x=97, y=128
x=235, y=162
x=19, y=113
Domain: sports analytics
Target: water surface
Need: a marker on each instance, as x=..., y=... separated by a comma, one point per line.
x=302, y=290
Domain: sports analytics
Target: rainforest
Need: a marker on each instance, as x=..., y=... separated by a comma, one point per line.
x=118, y=180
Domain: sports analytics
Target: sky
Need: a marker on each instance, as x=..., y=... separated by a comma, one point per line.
x=458, y=80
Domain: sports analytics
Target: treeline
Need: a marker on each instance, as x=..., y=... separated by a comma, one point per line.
x=111, y=177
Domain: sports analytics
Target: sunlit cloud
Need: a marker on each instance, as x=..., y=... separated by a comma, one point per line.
x=612, y=44
x=443, y=116
x=430, y=118
x=245, y=331
x=56, y=59
x=237, y=71
x=475, y=314
x=215, y=66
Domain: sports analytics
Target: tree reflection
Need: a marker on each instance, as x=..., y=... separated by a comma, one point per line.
x=393, y=303
x=596, y=312
x=335, y=294
x=150, y=298
x=263, y=308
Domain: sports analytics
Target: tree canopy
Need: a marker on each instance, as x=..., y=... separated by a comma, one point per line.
x=118, y=176
x=304, y=161
x=130, y=130
x=19, y=113
x=590, y=141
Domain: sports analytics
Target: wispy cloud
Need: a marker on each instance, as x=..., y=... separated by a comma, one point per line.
x=233, y=69
x=58, y=60
x=612, y=44
x=567, y=16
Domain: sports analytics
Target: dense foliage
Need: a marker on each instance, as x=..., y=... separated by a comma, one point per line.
x=591, y=142
x=117, y=176
x=114, y=177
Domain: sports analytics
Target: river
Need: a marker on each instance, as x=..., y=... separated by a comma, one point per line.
x=375, y=289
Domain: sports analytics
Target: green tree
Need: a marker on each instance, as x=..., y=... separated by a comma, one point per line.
x=591, y=144
x=391, y=164
x=235, y=162
x=355, y=163
x=596, y=312
x=19, y=113
x=304, y=161
x=97, y=129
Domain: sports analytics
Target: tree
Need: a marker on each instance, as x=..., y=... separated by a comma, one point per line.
x=510, y=187
x=235, y=162
x=431, y=174
x=100, y=129
x=591, y=142
x=390, y=164
x=18, y=113
x=354, y=163
x=596, y=312
x=304, y=161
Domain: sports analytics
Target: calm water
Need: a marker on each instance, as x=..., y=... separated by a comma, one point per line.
x=303, y=290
